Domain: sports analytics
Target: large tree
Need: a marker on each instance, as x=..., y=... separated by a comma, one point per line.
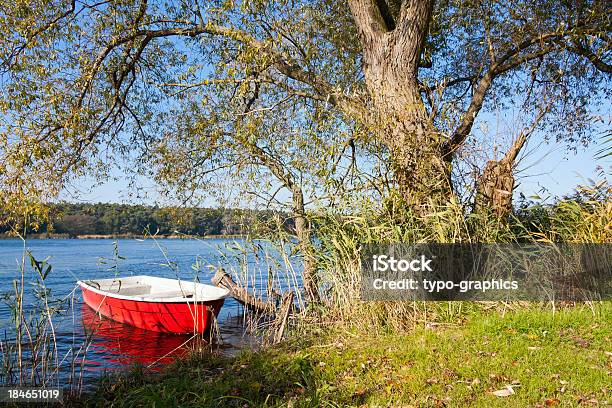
x=296, y=90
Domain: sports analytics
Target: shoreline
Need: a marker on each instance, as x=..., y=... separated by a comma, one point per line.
x=51, y=236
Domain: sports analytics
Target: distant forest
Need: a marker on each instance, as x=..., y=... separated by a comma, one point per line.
x=121, y=219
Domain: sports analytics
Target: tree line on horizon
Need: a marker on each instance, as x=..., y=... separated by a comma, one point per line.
x=77, y=219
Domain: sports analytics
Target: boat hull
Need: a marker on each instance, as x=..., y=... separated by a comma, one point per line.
x=164, y=317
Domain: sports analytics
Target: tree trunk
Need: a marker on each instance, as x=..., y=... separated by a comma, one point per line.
x=421, y=173
x=496, y=183
x=494, y=190
x=392, y=46
x=304, y=236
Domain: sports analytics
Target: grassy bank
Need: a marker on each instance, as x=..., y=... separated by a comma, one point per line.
x=538, y=356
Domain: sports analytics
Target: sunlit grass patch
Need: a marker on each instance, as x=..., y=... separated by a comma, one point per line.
x=534, y=356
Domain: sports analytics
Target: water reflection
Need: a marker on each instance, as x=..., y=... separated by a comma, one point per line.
x=117, y=344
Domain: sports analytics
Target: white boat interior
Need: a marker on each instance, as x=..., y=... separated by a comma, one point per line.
x=153, y=289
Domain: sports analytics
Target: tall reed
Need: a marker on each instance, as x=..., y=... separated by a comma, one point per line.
x=585, y=218
x=29, y=348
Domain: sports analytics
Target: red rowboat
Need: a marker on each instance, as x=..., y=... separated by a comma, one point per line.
x=157, y=304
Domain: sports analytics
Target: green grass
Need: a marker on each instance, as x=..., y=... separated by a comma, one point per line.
x=560, y=358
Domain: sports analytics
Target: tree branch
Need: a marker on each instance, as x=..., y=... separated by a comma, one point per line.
x=411, y=32
x=508, y=61
x=18, y=50
x=283, y=64
x=467, y=120
x=369, y=20
x=517, y=145
x=585, y=51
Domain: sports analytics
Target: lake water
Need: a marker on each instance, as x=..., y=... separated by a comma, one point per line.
x=116, y=346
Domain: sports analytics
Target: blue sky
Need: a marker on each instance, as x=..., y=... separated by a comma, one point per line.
x=555, y=169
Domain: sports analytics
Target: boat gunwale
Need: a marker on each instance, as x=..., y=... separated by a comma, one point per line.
x=151, y=298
